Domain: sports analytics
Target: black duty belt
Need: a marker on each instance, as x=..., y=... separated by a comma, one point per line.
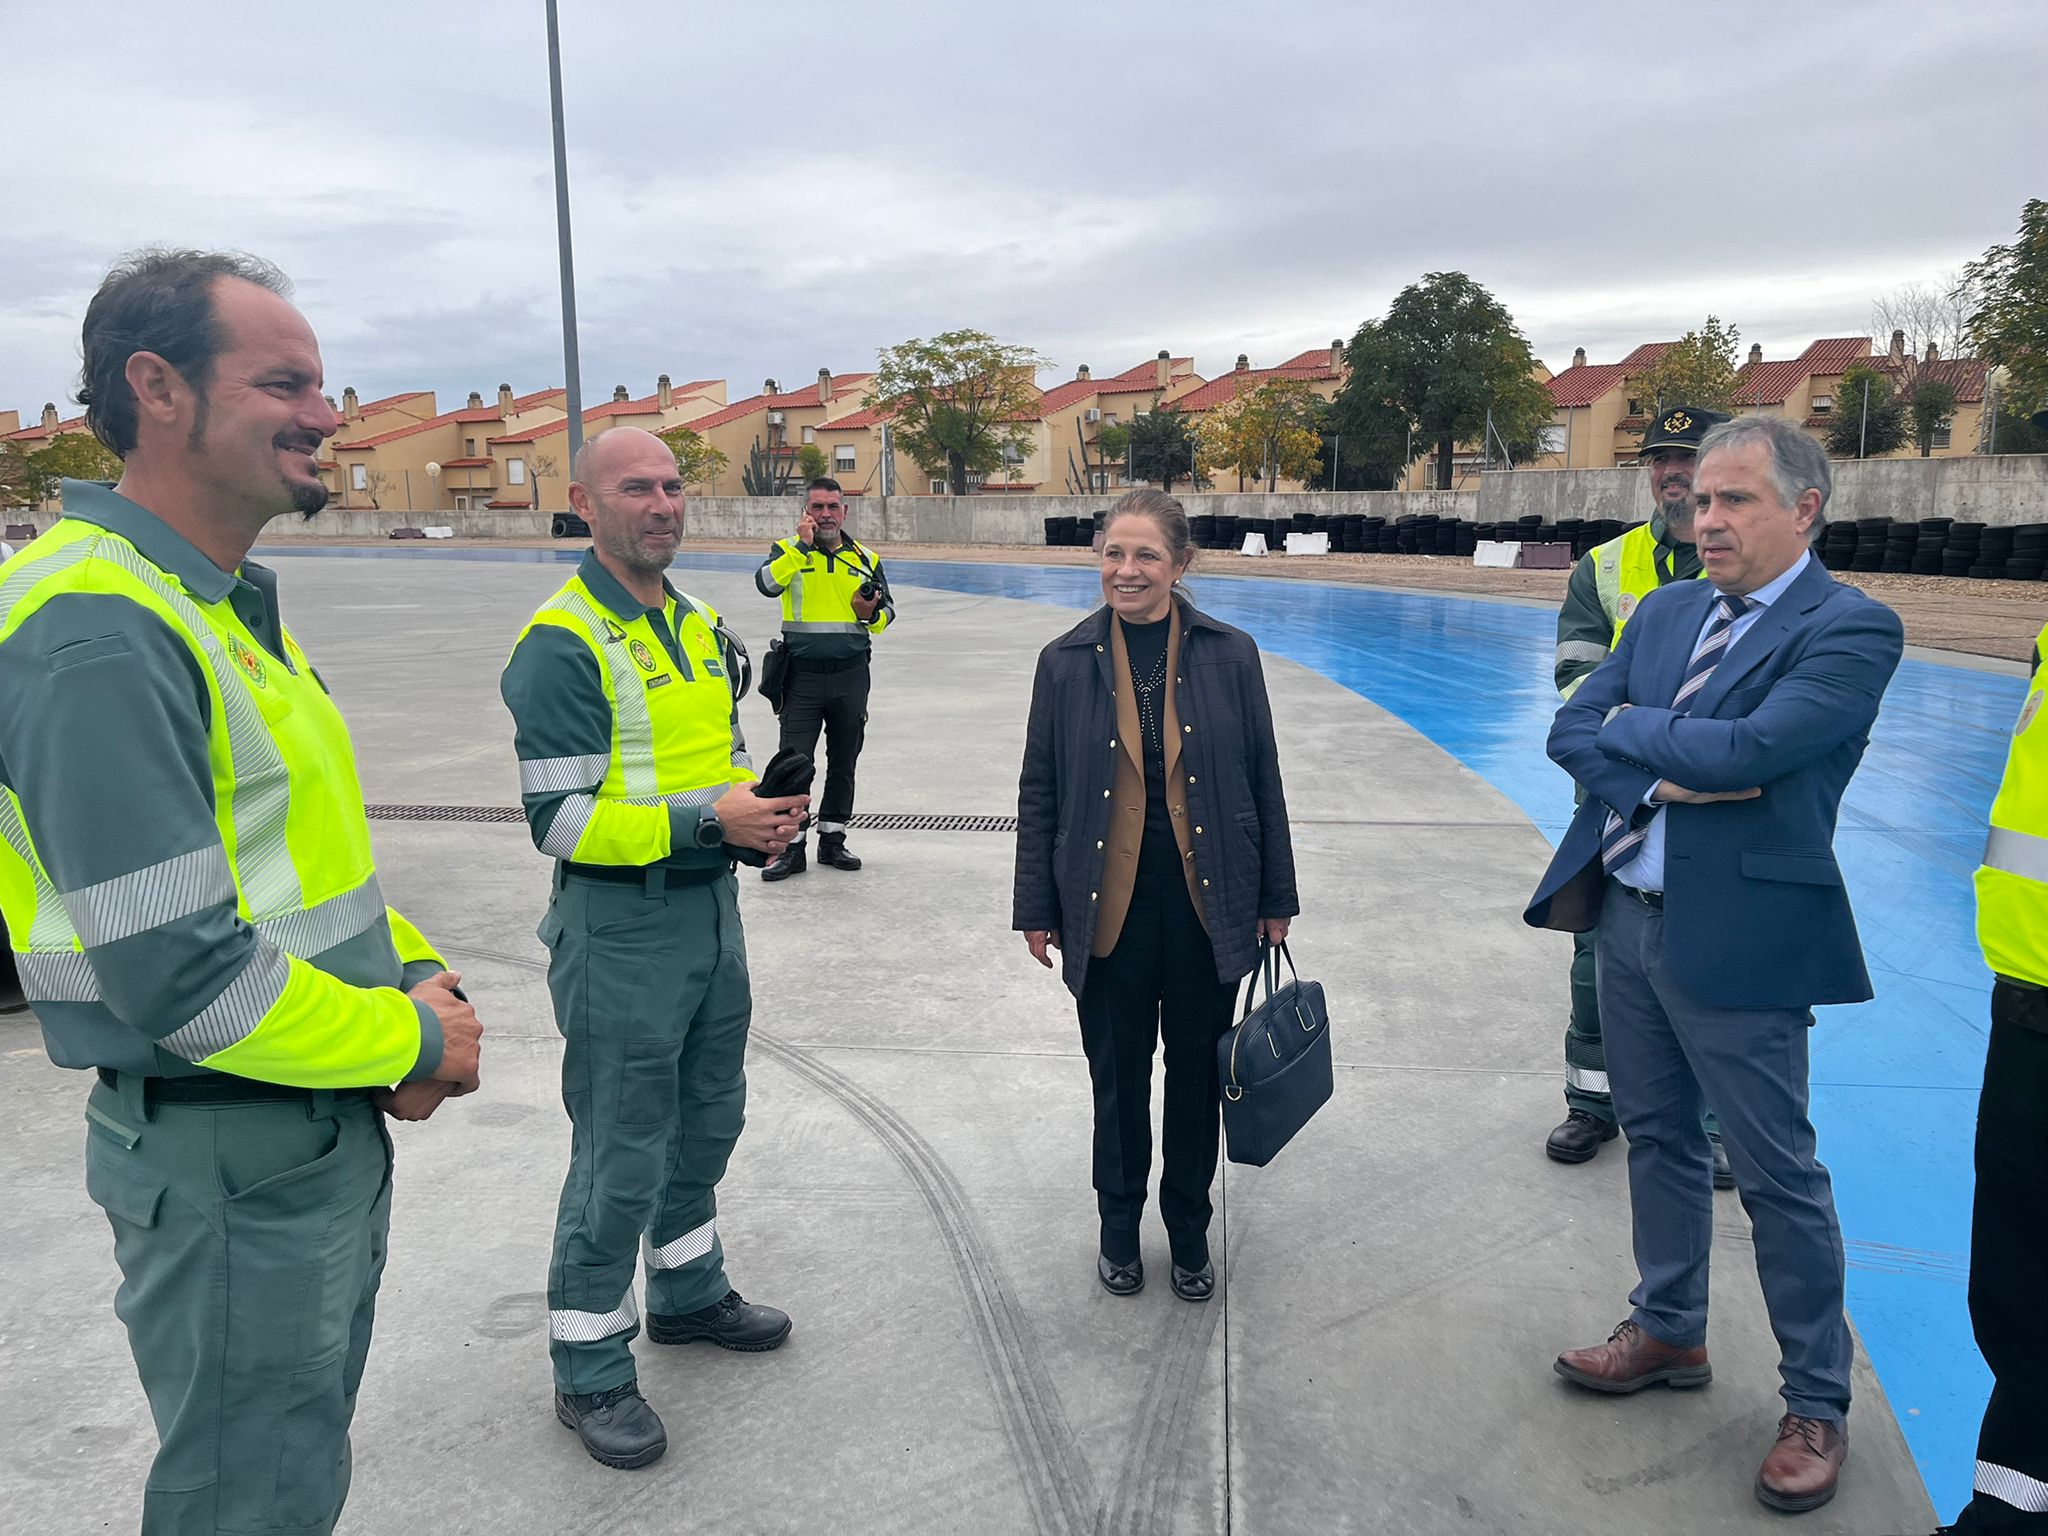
x=841, y=664
x=220, y=1088
x=1652, y=899
x=655, y=878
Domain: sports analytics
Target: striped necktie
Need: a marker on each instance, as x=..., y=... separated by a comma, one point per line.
x=1621, y=841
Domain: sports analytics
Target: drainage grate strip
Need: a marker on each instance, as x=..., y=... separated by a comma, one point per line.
x=861, y=822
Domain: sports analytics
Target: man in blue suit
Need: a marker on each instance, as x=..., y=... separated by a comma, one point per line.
x=1714, y=747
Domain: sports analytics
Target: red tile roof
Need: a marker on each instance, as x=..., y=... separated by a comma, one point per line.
x=1648, y=355
x=1060, y=396
x=446, y=418
x=1137, y=386
x=1773, y=383
x=1226, y=387
x=499, y=506
x=646, y=405
x=1836, y=354
x=1176, y=368
x=1585, y=383
x=1314, y=363
x=739, y=410
x=465, y=463
x=866, y=416
x=38, y=432
x=367, y=406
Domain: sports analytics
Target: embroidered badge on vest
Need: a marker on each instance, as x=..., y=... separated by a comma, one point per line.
x=643, y=658
x=2030, y=709
x=250, y=663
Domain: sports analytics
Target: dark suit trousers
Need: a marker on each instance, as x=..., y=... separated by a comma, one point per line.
x=837, y=702
x=1159, y=981
x=1668, y=1055
x=2009, y=1268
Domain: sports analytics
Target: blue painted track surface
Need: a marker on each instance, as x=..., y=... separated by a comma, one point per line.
x=1895, y=1080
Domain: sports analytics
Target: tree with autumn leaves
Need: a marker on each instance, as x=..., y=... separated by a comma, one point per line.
x=958, y=401
x=1266, y=434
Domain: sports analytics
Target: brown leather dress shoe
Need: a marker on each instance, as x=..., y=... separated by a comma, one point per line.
x=1631, y=1360
x=1801, y=1471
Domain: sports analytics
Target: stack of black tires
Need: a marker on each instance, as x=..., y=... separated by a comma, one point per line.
x=1937, y=546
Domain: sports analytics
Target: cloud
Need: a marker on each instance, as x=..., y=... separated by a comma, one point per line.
x=1095, y=182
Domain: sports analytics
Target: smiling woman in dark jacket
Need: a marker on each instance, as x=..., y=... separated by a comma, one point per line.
x=1153, y=852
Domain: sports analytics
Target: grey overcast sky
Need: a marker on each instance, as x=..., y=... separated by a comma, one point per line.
x=765, y=189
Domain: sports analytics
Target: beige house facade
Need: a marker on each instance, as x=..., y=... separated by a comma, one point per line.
x=529, y=466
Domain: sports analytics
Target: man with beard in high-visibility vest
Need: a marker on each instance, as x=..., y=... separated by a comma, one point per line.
x=2009, y=1228
x=186, y=875
x=1605, y=587
x=636, y=779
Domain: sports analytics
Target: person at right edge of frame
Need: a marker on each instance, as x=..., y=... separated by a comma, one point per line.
x=1605, y=587
x=188, y=883
x=2009, y=1226
x=636, y=780
x=1153, y=851
x=1715, y=746
x=835, y=598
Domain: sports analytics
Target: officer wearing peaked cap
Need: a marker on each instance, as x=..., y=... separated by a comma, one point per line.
x=1605, y=587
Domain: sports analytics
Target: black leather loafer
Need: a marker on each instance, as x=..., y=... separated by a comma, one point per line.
x=1194, y=1284
x=1120, y=1279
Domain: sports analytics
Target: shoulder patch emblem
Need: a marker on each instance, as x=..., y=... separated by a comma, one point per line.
x=2030, y=709
x=250, y=663
x=1626, y=607
x=643, y=658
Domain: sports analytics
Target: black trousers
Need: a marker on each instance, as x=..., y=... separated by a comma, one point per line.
x=837, y=702
x=2009, y=1267
x=1160, y=980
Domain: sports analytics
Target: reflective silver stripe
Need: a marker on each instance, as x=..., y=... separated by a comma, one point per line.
x=1580, y=650
x=134, y=903
x=633, y=729
x=821, y=627
x=589, y=1327
x=1585, y=1079
x=261, y=805
x=322, y=926
x=2022, y=1492
x=674, y=1254
x=764, y=582
x=553, y=775
x=831, y=826
x=59, y=976
x=234, y=1015
x=687, y=797
x=23, y=572
x=740, y=759
x=793, y=598
x=566, y=830
x=51, y=928
x=2017, y=853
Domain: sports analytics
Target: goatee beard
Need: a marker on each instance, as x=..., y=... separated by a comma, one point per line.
x=307, y=500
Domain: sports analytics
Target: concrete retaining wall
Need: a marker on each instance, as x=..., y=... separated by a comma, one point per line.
x=2006, y=489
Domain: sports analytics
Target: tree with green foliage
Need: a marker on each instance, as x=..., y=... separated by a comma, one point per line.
x=812, y=464
x=1113, y=442
x=1860, y=430
x=959, y=400
x=696, y=460
x=1369, y=454
x=22, y=484
x=1931, y=405
x=1162, y=446
x=2009, y=326
x=1446, y=358
x=76, y=456
x=1698, y=370
x=2002, y=429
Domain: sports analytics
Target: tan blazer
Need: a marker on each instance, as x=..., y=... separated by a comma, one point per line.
x=1127, y=816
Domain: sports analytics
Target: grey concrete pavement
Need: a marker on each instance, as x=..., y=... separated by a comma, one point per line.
x=913, y=1182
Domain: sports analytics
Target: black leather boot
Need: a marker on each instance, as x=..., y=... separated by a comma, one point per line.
x=791, y=861
x=832, y=850
x=616, y=1427
x=1579, y=1139
x=731, y=1322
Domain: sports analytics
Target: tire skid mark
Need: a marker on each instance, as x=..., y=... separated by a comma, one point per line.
x=1058, y=1484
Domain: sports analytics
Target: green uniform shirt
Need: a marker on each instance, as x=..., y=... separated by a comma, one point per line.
x=104, y=721
x=1585, y=630
x=559, y=709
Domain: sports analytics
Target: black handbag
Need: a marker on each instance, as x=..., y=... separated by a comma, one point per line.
x=775, y=674
x=1274, y=1064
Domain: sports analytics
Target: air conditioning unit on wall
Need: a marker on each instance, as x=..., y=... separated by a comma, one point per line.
x=1091, y=416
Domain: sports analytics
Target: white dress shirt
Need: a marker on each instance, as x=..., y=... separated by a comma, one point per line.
x=1646, y=870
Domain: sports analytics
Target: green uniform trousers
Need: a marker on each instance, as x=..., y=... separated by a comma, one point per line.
x=251, y=1238
x=651, y=995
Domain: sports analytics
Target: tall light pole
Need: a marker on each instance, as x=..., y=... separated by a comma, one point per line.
x=572, y=368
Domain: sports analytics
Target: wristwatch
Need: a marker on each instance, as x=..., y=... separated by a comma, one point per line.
x=710, y=830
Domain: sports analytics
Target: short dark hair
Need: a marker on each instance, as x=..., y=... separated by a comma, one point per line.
x=822, y=483
x=156, y=300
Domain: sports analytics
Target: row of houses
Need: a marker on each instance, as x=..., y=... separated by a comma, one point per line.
x=402, y=452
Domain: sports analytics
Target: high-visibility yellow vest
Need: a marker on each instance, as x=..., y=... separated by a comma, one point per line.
x=2012, y=883
x=1626, y=572
x=672, y=736
x=818, y=589
x=294, y=841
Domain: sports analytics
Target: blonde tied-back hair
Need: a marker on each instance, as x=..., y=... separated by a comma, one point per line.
x=1167, y=514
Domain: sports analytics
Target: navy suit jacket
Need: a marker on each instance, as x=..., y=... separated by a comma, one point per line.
x=1756, y=915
